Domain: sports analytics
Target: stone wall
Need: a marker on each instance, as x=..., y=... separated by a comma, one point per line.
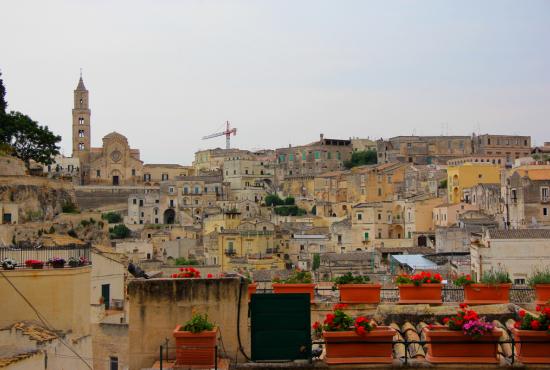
x=158, y=305
x=12, y=166
x=110, y=340
x=98, y=197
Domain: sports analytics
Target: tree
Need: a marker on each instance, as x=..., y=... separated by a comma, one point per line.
x=443, y=184
x=28, y=139
x=316, y=261
x=112, y=217
x=289, y=201
x=3, y=103
x=120, y=231
x=361, y=158
x=273, y=200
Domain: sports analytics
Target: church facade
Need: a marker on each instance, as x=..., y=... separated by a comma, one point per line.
x=114, y=163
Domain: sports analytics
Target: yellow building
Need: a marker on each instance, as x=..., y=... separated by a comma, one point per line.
x=376, y=183
x=468, y=175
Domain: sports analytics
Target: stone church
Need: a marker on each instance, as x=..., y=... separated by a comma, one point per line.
x=115, y=163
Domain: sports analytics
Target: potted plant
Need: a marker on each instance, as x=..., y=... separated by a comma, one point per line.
x=494, y=287
x=34, y=264
x=350, y=341
x=532, y=336
x=297, y=282
x=465, y=338
x=187, y=273
x=423, y=287
x=56, y=262
x=357, y=289
x=9, y=264
x=540, y=280
x=77, y=262
x=196, y=342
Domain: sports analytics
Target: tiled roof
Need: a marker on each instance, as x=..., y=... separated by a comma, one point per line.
x=535, y=174
x=34, y=331
x=519, y=234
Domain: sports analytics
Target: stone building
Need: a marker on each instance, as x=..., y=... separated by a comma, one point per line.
x=115, y=163
x=422, y=180
x=440, y=149
x=516, y=251
x=508, y=146
x=527, y=196
x=467, y=175
x=312, y=159
x=213, y=159
x=376, y=183
x=423, y=149
x=153, y=174
x=485, y=197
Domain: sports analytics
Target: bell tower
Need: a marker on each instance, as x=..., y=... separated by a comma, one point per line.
x=81, y=128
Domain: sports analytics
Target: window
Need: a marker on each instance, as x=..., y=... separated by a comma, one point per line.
x=339, y=239
x=317, y=154
x=303, y=156
x=141, y=202
x=379, y=235
x=133, y=171
x=80, y=133
x=389, y=179
x=197, y=190
x=164, y=177
x=379, y=191
x=134, y=201
x=545, y=211
x=359, y=216
x=302, y=247
x=544, y=194
x=519, y=281
x=80, y=146
x=80, y=120
x=171, y=202
x=329, y=155
x=113, y=363
x=97, y=173
x=170, y=189
x=366, y=236
x=380, y=216
x=146, y=177
x=186, y=190
x=514, y=196
x=291, y=157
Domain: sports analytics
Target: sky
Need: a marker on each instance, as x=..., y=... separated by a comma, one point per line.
x=164, y=73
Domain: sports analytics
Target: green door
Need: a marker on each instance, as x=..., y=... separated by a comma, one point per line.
x=106, y=294
x=280, y=327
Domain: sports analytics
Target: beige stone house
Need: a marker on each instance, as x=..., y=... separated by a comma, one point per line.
x=517, y=251
x=527, y=194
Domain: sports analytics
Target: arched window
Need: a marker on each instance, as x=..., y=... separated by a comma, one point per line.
x=80, y=119
x=80, y=146
x=80, y=133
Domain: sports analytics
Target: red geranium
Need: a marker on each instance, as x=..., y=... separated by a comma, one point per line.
x=187, y=272
x=423, y=277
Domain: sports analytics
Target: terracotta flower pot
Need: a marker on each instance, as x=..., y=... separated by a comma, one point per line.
x=465, y=350
x=359, y=293
x=295, y=288
x=424, y=293
x=198, y=350
x=361, y=350
x=252, y=289
x=487, y=294
x=532, y=353
x=542, y=294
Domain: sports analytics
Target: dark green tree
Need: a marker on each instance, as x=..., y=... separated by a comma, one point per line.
x=28, y=139
x=3, y=103
x=361, y=158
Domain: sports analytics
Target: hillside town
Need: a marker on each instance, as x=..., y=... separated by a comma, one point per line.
x=373, y=208
x=274, y=185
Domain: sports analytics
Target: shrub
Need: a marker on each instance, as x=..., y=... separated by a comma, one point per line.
x=52, y=230
x=493, y=277
x=112, y=217
x=69, y=207
x=85, y=223
x=297, y=277
x=348, y=278
x=540, y=276
x=119, y=232
x=289, y=211
x=182, y=261
x=289, y=201
x=198, y=323
x=273, y=200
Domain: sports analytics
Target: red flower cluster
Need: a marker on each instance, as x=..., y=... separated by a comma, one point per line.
x=530, y=322
x=423, y=277
x=30, y=263
x=338, y=320
x=187, y=272
x=469, y=322
x=463, y=280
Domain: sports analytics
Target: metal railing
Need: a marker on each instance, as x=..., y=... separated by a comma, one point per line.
x=448, y=294
x=23, y=253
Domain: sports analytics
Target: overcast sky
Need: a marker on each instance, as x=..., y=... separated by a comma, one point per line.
x=165, y=73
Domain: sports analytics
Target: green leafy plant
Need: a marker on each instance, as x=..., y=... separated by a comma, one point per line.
x=349, y=278
x=464, y=280
x=529, y=322
x=540, y=276
x=361, y=158
x=112, y=217
x=338, y=320
x=119, y=232
x=495, y=276
x=182, y=261
x=69, y=207
x=297, y=277
x=198, y=323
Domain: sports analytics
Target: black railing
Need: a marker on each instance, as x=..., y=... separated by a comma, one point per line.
x=165, y=357
x=448, y=294
x=24, y=253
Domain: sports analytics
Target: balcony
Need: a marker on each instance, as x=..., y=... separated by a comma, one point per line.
x=230, y=252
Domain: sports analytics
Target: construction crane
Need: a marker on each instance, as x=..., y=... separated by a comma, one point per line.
x=228, y=131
